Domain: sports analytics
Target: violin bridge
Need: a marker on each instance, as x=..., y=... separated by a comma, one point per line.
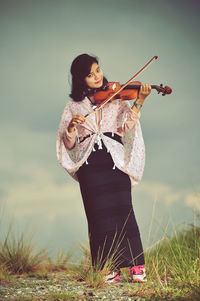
x=114, y=86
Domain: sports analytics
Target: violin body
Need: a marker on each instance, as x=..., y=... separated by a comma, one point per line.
x=130, y=92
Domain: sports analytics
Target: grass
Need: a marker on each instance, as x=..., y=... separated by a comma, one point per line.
x=172, y=264
x=4, y=273
x=173, y=268
x=179, y=256
x=93, y=277
x=18, y=254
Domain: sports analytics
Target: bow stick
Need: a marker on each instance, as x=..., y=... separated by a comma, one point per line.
x=134, y=76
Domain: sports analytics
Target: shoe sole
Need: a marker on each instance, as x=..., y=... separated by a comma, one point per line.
x=139, y=280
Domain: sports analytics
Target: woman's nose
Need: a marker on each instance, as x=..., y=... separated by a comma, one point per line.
x=96, y=76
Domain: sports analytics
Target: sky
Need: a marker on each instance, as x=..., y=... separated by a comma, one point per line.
x=39, y=40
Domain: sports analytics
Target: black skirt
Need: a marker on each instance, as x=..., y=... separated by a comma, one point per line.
x=112, y=226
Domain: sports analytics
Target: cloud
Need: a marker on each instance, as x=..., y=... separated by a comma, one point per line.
x=32, y=181
x=42, y=194
x=193, y=200
x=168, y=195
x=163, y=192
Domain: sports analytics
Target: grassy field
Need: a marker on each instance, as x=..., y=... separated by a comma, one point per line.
x=172, y=265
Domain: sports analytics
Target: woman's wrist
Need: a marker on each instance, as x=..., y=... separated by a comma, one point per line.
x=140, y=100
x=135, y=109
x=137, y=104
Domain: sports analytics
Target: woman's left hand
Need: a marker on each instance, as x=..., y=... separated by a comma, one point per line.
x=145, y=90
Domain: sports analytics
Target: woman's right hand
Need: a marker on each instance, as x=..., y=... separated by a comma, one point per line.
x=75, y=120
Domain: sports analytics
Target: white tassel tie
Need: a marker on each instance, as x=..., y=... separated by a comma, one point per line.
x=86, y=162
x=98, y=141
x=114, y=166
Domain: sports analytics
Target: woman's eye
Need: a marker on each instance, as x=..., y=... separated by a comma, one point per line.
x=89, y=75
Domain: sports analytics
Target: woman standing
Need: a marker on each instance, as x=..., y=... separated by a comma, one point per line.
x=105, y=153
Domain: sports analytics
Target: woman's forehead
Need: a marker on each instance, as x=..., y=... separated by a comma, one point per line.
x=94, y=67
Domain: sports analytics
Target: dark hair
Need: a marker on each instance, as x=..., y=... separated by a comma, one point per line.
x=80, y=68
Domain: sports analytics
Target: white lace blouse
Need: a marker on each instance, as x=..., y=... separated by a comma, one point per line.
x=116, y=117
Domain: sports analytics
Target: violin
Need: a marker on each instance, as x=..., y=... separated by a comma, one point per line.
x=130, y=91
x=127, y=91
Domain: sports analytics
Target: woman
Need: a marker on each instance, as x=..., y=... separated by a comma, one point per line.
x=104, y=151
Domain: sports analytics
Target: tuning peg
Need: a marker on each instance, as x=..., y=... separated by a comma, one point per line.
x=161, y=85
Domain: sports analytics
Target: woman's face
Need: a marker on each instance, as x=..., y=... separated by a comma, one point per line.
x=95, y=78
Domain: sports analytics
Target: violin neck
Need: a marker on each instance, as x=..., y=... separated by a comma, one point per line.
x=138, y=87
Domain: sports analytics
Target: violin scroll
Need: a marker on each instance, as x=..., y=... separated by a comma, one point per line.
x=165, y=90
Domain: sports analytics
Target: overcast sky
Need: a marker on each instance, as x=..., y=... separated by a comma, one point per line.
x=39, y=40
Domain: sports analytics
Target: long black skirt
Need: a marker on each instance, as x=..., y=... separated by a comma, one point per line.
x=112, y=226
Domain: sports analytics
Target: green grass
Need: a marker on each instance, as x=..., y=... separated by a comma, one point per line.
x=173, y=267
x=177, y=257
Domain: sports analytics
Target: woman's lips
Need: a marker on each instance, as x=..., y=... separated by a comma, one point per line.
x=98, y=82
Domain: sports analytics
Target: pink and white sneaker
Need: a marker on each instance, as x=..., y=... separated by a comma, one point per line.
x=113, y=277
x=138, y=273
